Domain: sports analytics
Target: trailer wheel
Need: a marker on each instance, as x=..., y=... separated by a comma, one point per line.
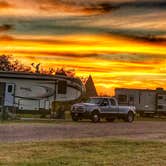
x=130, y=117
x=95, y=117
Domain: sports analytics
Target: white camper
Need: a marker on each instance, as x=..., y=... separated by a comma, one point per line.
x=26, y=92
x=146, y=101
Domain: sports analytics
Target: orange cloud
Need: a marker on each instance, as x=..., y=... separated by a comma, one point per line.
x=4, y=5
x=90, y=44
x=126, y=48
x=97, y=55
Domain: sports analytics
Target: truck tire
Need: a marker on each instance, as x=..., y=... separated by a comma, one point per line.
x=110, y=119
x=129, y=117
x=95, y=117
x=75, y=118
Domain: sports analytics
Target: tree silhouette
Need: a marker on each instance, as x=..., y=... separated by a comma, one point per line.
x=62, y=71
x=7, y=63
x=37, y=67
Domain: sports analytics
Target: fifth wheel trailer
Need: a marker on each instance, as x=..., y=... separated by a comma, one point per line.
x=146, y=101
x=34, y=93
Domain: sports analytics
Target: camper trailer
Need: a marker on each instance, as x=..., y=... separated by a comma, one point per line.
x=30, y=92
x=146, y=101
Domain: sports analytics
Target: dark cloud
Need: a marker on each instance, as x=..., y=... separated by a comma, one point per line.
x=153, y=39
x=51, y=27
x=107, y=6
x=77, y=6
x=143, y=35
x=71, y=26
x=5, y=27
x=99, y=6
x=145, y=4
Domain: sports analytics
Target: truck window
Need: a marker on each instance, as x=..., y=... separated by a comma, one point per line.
x=105, y=102
x=112, y=101
x=94, y=101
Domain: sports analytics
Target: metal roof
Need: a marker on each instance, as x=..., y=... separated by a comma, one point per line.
x=35, y=76
x=148, y=90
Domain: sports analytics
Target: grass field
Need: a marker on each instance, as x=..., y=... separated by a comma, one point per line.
x=84, y=152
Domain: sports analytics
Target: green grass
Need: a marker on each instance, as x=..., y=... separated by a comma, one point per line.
x=84, y=152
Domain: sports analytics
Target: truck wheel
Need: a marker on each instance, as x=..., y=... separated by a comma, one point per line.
x=75, y=118
x=130, y=117
x=95, y=117
x=110, y=119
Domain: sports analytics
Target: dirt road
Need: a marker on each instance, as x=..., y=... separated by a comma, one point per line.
x=143, y=130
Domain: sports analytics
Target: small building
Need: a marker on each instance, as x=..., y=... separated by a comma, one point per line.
x=34, y=92
x=145, y=100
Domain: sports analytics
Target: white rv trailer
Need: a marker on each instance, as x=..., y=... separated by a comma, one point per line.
x=146, y=101
x=32, y=92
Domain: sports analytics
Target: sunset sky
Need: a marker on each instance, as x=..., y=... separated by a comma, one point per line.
x=121, y=43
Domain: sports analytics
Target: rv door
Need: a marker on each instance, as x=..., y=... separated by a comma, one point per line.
x=9, y=94
x=47, y=104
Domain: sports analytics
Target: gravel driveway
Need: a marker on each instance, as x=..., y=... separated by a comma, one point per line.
x=144, y=130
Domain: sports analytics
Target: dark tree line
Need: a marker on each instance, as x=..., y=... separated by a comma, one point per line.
x=7, y=63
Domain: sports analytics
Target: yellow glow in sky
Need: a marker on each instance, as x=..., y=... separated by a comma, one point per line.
x=120, y=43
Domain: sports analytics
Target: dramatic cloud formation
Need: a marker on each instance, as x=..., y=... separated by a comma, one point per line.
x=93, y=7
x=120, y=43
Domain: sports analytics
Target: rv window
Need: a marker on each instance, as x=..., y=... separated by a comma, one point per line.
x=160, y=97
x=160, y=106
x=62, y=87
x=10, y=88
x=113, y=103
x=122, y=98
